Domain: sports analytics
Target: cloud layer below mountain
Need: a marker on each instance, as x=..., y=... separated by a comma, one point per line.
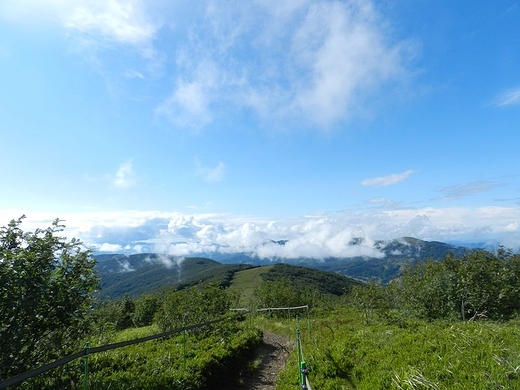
x=313, y=236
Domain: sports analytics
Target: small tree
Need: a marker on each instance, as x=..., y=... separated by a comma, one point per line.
x=46, y=286
x=193, y=306
x=145, y=309
x=369, y=298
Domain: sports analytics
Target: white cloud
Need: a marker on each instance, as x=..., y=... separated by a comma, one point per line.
x=125, y=176
x=344, y=54
x=383, y=202
x=311, y=62
x=123, y=21
x=106, y=247
x=126, y=267
x=320, y=61
x=389, y=180
x=168, y=262
x=316, y=236
x=508, y=98
x=210, y=174
x=190, y=103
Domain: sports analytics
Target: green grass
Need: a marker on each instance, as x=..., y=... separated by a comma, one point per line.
x=343, y=352
x=246, y=282
x=197, y=362
x=135, y=333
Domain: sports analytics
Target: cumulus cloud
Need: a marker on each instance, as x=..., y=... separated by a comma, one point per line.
x=510, y=97
x=321, y=236
x=314, y=236
x=311, y=237
x=107, y=247
x=389, y=180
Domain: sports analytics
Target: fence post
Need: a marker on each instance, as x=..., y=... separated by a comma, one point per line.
x=299, y=348
x=303, y=375
x=85, y=378
x=309, y=322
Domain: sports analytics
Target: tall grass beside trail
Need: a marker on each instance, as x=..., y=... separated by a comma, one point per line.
x=343, y=352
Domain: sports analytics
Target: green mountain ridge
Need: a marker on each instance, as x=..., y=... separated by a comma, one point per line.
x=143, y=273
x=395, y=256
x=139, y=274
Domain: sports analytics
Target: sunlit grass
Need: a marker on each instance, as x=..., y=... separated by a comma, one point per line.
x=345, y=353
x=246, y=282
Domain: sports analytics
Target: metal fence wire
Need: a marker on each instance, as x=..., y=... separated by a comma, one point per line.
x=87, y=351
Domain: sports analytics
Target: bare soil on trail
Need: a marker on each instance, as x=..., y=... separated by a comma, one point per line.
x=272, y=354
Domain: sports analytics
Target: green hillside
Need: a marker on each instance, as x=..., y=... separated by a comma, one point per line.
x=398, y=255
x=146, y=275
x=246, y=282
x=326, y=283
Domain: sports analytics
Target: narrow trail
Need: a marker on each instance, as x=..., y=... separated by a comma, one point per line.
x=273, y=354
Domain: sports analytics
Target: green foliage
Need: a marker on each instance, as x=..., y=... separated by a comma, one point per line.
x=428, y=291
x=124, y=313
x=343, y=352
x=324, y=282
x=145, y=308
x=46, y=287
x=285, y=294
x=288, y=285
x=208, y=362
x=481, y=284
x=370, y=298
x=193, y=306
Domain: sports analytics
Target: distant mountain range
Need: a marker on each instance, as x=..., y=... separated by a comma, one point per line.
x=140, y=273
x=395, y=255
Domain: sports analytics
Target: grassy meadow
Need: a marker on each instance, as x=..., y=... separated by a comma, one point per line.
x=344, y=352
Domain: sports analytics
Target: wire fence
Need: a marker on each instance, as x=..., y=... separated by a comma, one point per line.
x=303, y=370
x=303, y=379
x=87, y=351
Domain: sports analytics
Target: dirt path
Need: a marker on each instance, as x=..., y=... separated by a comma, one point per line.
x=273, y=354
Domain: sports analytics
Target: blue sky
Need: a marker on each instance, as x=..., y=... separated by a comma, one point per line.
x=167, y=126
